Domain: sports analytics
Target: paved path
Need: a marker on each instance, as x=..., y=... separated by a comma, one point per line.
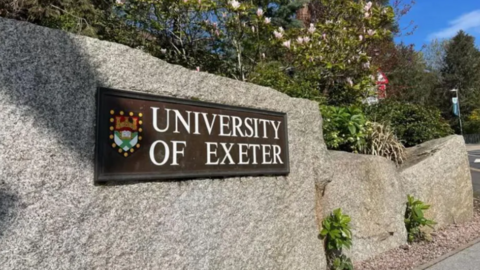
x=467, y=259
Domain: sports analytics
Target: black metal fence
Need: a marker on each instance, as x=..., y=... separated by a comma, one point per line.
x=472, y=138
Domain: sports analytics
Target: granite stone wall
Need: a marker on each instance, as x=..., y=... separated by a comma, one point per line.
x=438, y=173
x=53, y=217
x=373, y=191
x=367, y=188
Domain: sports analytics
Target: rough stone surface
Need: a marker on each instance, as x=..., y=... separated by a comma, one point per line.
x=367, y=189
x=53, y=217
x=437, y=172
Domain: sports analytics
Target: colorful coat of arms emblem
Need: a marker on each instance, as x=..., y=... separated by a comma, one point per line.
x=125, y=132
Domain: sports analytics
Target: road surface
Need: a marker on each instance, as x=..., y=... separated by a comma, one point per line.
x=474, y=154
x=467, y=259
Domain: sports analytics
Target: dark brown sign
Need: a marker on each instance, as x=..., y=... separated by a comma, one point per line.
x=149, y=137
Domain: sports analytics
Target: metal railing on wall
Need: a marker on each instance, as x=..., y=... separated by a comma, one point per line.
x=472, y=138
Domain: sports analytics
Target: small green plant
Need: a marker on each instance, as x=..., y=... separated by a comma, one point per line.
x=344, y=128
x=337, y=235
x=342, y=263
x=415, y=219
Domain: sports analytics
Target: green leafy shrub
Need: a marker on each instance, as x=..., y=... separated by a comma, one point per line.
x=344, y=128
x=381, y=141
x=337, y=235
x=281, y=78
x=412, y=124
x=472, y=123
x=415, y=219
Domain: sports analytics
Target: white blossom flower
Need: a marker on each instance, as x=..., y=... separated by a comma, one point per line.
x=360, y=37
x=368, y=6
x=350, y=81
x=366, y=65
x=311, y=29
x=235, y=4
x=120, y=2
x=259, y=12
x=163, y=51
x=287, y=44
x=371, y=32
x=280, y=29
x=328, y=22
x=263, y=55
x=324, y=36
x=299, y=40
x=367, y=15
x=253, y=29
x=277, y=35
x=306, y=39
x=267, y=20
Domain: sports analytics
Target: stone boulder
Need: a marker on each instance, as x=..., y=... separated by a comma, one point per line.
x=367, y=189
x=438, y=173
x=53, y=217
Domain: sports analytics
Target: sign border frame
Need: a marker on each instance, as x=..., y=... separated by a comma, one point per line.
x=100, y=178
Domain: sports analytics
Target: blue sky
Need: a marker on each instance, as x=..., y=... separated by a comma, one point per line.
x=441, y=19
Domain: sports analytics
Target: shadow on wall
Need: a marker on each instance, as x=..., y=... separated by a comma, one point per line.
x=45, y=87
x=47, y=79
x=8, y=202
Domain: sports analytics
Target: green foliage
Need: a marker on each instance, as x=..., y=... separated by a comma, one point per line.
x=344, y=128
x=223, y=37
x=412, y=124
x=434, y=54
x=342, y=262
x=85, y=17
x=461, y=70
x=277, y=76
x=283, y=12
x=415, y=219
x=326, y=60
x=472, y=123
x=336, y=231
x=335, y=53
x=381, y=141
x=337, y=235
x=411, y=80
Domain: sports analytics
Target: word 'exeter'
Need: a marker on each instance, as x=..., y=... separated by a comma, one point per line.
x=217, y=153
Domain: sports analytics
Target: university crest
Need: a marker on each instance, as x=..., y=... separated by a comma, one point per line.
x=125, y=131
